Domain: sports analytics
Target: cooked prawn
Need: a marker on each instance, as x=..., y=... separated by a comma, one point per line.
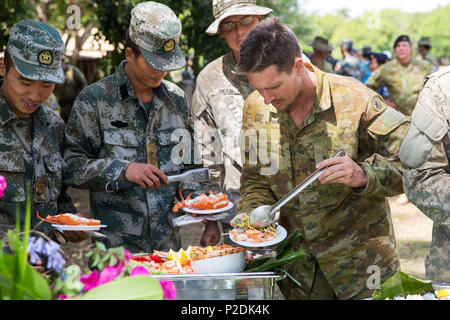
x=69, y=219
x=202, y=202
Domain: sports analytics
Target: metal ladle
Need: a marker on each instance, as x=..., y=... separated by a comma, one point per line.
x=266, y=215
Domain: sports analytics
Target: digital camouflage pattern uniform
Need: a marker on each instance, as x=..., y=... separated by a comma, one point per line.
x=217, y=107
x=31, y=148
x=403, y=83
x=425, y=153
x=109, y=127
x=344, y=230
x=350, y=66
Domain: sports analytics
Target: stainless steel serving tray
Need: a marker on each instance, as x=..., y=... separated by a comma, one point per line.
x=224, y=286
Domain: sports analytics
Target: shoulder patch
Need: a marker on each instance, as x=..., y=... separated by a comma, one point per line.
x=387, y=122
x=390, y=117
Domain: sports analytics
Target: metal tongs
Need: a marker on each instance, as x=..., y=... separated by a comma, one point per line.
x=266, y=215
x=194, y=175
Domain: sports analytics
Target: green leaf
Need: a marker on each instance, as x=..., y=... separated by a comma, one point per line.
x=32, y=286
x=288, y=241
x=272, y=263
x=100, y=246
x=402, y=284
x=128, y=288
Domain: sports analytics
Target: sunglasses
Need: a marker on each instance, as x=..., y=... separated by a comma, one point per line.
x=244, y=22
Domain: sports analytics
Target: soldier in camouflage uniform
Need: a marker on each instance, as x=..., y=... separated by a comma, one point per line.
x=131, y=126
x=67, y=92
x=403, y=76
x=306, y=115
x=349, y=66
x=321, y=47
x=424, y=52
x=31, y=135
x=425, y=153
x=218, y=101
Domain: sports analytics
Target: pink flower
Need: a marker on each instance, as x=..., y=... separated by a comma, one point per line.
x=169, y=289
x=3, y=186
x=127, y=255
x=139, y=270
x=90, y=281
x=62, y=297
x=110, y=273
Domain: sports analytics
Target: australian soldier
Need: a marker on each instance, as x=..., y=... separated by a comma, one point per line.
x=344, y=217
x=425, y=153
x=403, y=76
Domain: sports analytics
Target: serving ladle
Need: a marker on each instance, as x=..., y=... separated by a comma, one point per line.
x=266, y=215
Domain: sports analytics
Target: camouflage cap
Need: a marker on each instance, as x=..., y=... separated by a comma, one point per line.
x=223, y=9
x=156, y=30
x=37, y=51
x=425, y=41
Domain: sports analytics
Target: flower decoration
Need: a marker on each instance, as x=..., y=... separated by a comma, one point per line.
x=37, y=246
x=3, y=186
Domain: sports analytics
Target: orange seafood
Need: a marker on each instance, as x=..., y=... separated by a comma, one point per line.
x=202, y=202
x=253, y=235
x=69, y=219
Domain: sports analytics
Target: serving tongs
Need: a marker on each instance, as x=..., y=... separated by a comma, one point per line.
x=195, y=175
x=266, y=215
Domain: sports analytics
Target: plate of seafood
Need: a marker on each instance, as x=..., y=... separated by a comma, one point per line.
x=251, y=237
x=72, y=222
x=204, y=204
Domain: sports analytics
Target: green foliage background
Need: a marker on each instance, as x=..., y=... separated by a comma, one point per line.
x=111, y=17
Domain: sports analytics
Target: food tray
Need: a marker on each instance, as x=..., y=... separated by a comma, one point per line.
x=224, y=286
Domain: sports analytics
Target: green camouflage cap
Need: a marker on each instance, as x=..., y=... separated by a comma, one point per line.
x=425, y=41
x=223, y=9
x=156, y=30
x=37, y=51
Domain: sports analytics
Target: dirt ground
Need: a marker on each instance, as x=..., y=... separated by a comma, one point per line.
x=412, y=230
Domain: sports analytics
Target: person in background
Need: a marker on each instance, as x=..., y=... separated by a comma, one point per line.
x=403, y=76
x=365, y=61
x=188, y=75
x=218, y=102
x=66, y=92
x=377, y=60
x=329, y=57
x=424, y=48
x=349, y=66
x=321, y=50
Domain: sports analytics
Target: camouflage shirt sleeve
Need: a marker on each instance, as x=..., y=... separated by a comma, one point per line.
x=383, y=130
x=424, y=155
x=255, y=189
x=85, y=167
x=376, y=79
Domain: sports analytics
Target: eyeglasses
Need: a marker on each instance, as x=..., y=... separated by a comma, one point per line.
x=244, y=22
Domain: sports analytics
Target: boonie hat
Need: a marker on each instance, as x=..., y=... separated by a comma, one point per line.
x=37, y=51
x=320, y=43
x=223, y=9
x=156, y=30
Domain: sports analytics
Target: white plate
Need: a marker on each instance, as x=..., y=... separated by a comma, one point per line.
x=282, y=234
x=65, y=227
x=212, y=211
